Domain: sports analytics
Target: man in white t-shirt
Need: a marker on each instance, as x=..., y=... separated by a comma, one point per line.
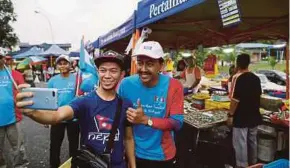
x=191, y=74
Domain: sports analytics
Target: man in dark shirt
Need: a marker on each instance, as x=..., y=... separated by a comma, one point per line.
x=96, y=112
x=244, y=113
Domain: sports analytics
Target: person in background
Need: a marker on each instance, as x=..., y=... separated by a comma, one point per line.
x=232, y=72
x=127, y=62
x=244, y=112
x=28, y=76
x=191, y=74
x=44, y=72
x=10, y=115
x=21, y=143
x=158, y=108
x=50, y=71
x=9, y=61
x=181, y=65
x=168, y=66
x=65, y=82
x=75, y=67
x=96, y=112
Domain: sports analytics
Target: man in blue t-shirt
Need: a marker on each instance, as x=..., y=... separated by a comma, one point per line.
x=96, y=112
x=158, y=108
x=65, y=82
x=9, y=115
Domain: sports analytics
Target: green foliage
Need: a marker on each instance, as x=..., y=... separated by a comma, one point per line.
x=200, y=54
x=272, y=61
x=219, y=53
x=230, y=57
x=257, y=66
x=7, y=16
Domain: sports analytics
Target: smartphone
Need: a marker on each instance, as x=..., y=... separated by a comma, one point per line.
x=43, y=98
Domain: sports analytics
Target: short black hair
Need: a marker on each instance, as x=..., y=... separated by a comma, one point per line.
x=232, y=69
x=110, y=56
x=180, y=62
x=243, y=61
x=101, y=60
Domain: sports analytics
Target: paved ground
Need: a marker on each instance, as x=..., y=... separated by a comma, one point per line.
x=37, y=143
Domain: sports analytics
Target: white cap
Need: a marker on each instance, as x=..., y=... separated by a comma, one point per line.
x=186, y=55
x=63, y=57
x=150, y=49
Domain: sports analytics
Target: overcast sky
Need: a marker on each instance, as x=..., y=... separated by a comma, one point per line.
x=70, y=19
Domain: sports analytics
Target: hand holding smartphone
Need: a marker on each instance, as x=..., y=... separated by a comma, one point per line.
x=43, y=98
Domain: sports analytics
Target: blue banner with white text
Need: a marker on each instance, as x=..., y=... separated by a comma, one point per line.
x=124, y=30
x=150, y=11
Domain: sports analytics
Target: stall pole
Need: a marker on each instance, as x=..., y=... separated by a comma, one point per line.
x=51, y=61
x=136, y=37
x=287, y=71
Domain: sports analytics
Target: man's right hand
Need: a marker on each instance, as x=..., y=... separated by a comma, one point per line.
x=22, y=95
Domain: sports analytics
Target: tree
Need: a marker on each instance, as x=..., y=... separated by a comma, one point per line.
x=272, y=61
x=7, y=37
x=200, y=55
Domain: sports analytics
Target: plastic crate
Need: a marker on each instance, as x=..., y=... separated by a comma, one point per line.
x=281, y=163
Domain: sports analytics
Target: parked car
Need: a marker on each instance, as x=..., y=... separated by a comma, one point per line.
x=274, y=76
x=268, y=85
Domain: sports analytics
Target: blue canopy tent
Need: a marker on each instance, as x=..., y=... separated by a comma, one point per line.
x=118, y=38
x=54, y=50
x=34, y=51
x=74, y=54
x=96, y=44
x=19, y=51
x=189, y=23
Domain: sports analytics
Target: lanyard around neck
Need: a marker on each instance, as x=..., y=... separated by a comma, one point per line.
x=11, y=77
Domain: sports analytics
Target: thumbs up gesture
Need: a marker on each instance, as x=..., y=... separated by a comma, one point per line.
x=137, y=116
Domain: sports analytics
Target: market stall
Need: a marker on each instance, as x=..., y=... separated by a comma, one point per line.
x=207, y=111
x=188, y=24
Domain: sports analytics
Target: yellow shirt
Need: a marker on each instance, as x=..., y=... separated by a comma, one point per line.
x=169, y=65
